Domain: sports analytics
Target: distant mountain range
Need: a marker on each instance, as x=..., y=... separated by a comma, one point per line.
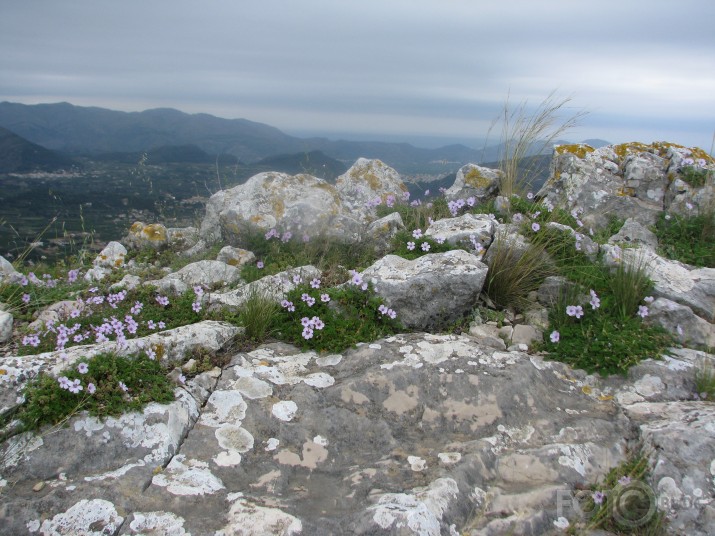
x=166, y=134
x=17, y=155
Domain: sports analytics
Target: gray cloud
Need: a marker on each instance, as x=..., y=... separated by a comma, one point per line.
x=645, y=69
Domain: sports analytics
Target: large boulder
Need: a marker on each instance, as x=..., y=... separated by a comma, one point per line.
x=146, y=235
x=474, y=181
x=369, y=183
x=295, y=204
x=465, y=230
x=431, y=291
x=207, y=274
x=630, y=178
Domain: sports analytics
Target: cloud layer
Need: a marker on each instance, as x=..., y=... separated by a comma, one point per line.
x=643, y=69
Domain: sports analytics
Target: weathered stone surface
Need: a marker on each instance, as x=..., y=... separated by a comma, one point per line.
x=415, y=431
x=466, y=230
x=146, y=235
x=181, y=238
x=633, y=233
x=632, y=178
x=380, y=232
x=235, y=256
x=5, y=325
x=673, y=280
x=366, y=183
x=297, y=204
x=273, y=286
x=208, y=274
x=112, y=257
x=474, y=181
x=682, y=323
x=433, y=290
x=7, y=271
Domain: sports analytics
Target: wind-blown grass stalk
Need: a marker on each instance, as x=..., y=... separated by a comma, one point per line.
x=524, y=134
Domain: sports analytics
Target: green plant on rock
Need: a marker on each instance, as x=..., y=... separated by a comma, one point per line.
x=705, y=382
x=258, y=315
x=105, y=384
x=629, y=285
x=687, y=239
x=336, y=318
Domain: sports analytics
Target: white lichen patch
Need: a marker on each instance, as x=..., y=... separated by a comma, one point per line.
x=449, y=458
x=157, y=524
x=329, y=360
x=284, y=410
x=247, y=518
x=190, y=478
x=319, y=380
x=320, y=440
x=649, y=386
x=252, y=388
x=224, y=407
x=228, y=458
x=18, y=447
x=420, y=511
x=232, y=437
x=117, y=473
x=576, y=457
x=416, y=463
x=95, y=517
x=272, y=444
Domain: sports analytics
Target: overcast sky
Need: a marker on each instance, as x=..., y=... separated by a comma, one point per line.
x=391, y=69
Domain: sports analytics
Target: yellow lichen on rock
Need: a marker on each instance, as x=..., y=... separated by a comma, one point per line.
x=578, y=149
x=475, y=179
x=278, y=208
x=154, y=232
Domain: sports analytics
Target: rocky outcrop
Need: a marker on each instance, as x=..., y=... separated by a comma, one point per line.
x=470, y=433
x=474, y=181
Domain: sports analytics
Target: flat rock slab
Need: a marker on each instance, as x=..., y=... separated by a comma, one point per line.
x=411, y=434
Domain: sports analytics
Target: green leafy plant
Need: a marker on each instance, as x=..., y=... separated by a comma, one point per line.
x=103, y=385
x=333, y=319
x=694, y=175
x=688, y=239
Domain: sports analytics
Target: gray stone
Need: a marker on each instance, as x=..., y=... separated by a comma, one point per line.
x=382, y=231
x=364, y=184
x=430, y=291
x=142, y=235
x=682, y=323
x=181, y=238
x=111, y=258
x=526, y=334
x=7, y=271
x=633, y=232
x=5, y=326
x=474, y=181
x=235, y=256
x=208, y=274
x=465, y=230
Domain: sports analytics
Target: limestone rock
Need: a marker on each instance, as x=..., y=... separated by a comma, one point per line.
x=5, y=326
x=207, y=274
x=474, y=181
x=460, y=230
x=7, y=271
x=142, y=235
x=182, y=238
x=381, y=231
x=297, y=204
x=235, y=256
x=682, y=323
x=633, y=232
x=111, y=258
x=430, y=291
x=364, y=184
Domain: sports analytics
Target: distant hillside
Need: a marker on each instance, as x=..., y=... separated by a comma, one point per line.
x=169, y=154
x=18, y=155
x=314, y=163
